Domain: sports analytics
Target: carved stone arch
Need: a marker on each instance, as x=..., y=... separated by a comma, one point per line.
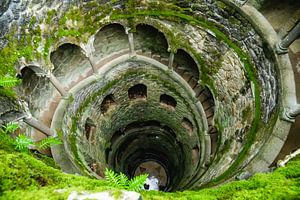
x=63, y=41
x=109, y=24
x=37, y=69
x=192, y=56
x=61, y=45
x=154, y=26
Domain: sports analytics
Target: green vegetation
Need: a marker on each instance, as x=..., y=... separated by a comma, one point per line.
x=21, y=175
x=24, y=177
x=22, y=142
x=6, y=85
x=121, y=181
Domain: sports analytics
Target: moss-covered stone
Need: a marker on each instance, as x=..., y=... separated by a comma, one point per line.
x=24, y=177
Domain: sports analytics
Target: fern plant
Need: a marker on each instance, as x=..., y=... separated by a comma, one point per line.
x=121, y=181
x=7, y=142
x=10, y=127
x=6, y=84
x=47, y=143
x=22, y=142
x=8, y=81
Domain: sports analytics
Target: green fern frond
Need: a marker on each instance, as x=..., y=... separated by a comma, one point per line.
x=11, y=127
x=47, y=143
x=112, y=178
x=123, y=180
x=136, y=184
x=22, y=142
x=8, y=81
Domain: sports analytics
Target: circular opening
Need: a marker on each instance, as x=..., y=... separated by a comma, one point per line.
x=148, y=147
x=157, y=175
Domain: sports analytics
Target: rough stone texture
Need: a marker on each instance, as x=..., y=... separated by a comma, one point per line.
x=125, y=195
x=110, y=40
x=221, y=69
x=64, y=60
x=9, y=110
x=127, y=112
x=242, y=32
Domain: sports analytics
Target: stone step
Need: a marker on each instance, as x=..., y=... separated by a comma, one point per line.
x=198, y=90
x=179, y=71
x=193, y=82
x=164, y=61
x=139, y=52
x=147, y=54
x=156, y=57
x=187, y=76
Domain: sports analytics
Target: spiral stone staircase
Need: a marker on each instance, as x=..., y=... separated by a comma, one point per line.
x=193, y=92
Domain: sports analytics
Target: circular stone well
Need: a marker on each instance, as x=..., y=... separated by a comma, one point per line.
x=187, y=91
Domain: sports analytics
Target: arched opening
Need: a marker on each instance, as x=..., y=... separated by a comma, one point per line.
x=195, y=155
x=69, y=61
x=150, y=42
x=138, y=91
x=110, y=39
x=90, y=130
x=187, y=124
x=108, y=103
x=157, y=175
x=28, y=89
x=186, y=67
x=168, y=100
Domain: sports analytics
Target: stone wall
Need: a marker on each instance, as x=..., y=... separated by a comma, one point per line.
x=227, y=80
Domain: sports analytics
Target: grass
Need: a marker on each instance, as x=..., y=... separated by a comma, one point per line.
x=22, y=176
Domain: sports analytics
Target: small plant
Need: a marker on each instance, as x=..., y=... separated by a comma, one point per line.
x=47, y=143
x=121, y=181
x=6, y=84
x=8, y=81
x=10, y=127
x=22, y=142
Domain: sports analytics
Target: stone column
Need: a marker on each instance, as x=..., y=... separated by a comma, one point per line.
x=171, y=60
x=283, y=45
x=131, y=43
x=92, y=64
x=88, y=49
x=57, y=84
x=33, y=122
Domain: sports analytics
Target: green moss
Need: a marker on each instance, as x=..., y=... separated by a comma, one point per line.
x=70, y=32
x=50, y=16
x=73, y=147
x=24, y=177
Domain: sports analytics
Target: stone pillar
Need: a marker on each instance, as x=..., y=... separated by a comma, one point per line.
x=283, y=45
x=57, y=84
x=171, y=60
x=92, y=64
x=33, y=122
x=88, y=49
x=131, y=43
